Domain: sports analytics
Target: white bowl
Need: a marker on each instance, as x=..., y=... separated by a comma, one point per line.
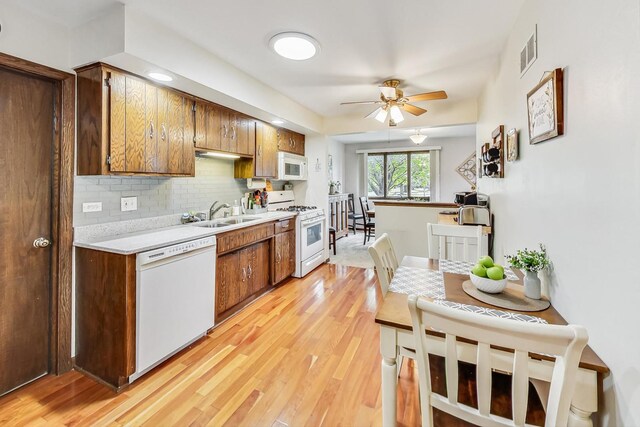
x=487, y=285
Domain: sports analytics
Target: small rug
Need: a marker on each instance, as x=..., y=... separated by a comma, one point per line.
x=350, y=251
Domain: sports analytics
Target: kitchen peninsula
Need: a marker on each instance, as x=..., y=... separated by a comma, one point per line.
x=405, y=221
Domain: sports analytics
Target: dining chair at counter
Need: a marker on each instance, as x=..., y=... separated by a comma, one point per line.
x=369, y=223
x=443, y=242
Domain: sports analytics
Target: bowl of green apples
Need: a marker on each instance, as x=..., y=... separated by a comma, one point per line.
x=487, y=276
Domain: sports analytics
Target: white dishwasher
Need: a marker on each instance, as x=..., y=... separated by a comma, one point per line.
x=174, y=300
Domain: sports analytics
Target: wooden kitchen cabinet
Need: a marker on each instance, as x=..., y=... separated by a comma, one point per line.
x=290, y=141
x=220, y=129
x=264, y=164
x=128, y=125
x=284, y=255
x=243, y=269
x=106, y=315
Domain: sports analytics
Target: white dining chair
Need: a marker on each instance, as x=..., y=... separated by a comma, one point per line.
x=564, y=342
x=444, y=242
x=386, y=262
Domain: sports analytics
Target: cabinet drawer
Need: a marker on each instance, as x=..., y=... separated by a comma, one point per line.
x=285, y=225
x=244, y=237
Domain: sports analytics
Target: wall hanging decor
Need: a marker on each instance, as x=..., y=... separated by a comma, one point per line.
x=512, y=145
x=545, y=108
x=492, y=155
x=467, y=169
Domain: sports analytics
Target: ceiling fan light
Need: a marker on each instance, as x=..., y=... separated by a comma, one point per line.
x=396, y=114
x=417, y=138
x=381, y=115
x=388, y=92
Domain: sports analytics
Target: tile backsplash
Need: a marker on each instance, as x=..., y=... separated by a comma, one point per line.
x=157, y=196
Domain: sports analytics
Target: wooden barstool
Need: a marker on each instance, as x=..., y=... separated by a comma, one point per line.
x=332, y=239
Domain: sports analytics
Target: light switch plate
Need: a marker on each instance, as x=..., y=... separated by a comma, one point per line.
x=128, y=204
x=92, y=207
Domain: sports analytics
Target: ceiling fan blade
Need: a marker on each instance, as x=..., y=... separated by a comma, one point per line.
x=416, y=111
x=361, y=102
x=430, y=96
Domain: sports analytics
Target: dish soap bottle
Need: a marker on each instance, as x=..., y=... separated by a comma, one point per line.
x=236, y=208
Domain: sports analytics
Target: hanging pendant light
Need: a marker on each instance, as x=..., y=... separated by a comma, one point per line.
x=418, y=138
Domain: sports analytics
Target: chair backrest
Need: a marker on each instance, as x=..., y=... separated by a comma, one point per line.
x=564, y=342
x=455, y=242
x=384, y=257
x=364, y=206
x=351, y=205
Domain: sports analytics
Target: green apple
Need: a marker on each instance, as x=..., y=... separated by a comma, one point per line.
x=495, y=273
x=486, y=260
x=479, y=270
x=500, y=267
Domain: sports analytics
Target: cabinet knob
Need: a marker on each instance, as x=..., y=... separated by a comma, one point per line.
x=163, y=132
x=151, y=129
x=41, y=242
x=250, y=271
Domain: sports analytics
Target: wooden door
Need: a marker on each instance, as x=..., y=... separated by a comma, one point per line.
x=162, y=147
x=266, y=155
x=243, y=288
x=245, y=135
x=270, y=147
x=188, y=149
x=27, y=108
x=175, y=123
x=290, y=251
x=226, y=278
x=284, y=142
x=250, y=129
x=259, y=267
x=200, y=125
x=297, y=140
x=225, y=129
x=214, y=127
x=151, y=124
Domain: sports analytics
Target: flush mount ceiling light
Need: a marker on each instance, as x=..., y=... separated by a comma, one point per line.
x=417, y=138
x=161, y=77
x=296, y=46
x=277, y=122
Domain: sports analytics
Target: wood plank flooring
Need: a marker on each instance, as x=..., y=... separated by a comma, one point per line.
x=306, y=354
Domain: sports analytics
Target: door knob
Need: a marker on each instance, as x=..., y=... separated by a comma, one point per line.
x=41, y=242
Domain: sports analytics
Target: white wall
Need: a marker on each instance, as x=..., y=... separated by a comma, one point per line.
x=578, y=193
x=453, y=152
x=337, y=150
x=31, y=37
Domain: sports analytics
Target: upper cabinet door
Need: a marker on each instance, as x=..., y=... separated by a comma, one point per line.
x=127, y=124
x=290, y=141
x=214, y=127
x=266, y=155
x=175, y=124
x=200, y=131
x=246, y=135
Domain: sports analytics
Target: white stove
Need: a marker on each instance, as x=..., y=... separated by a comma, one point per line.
x=311, y=230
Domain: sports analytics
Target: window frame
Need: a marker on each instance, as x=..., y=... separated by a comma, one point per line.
x=384, y=155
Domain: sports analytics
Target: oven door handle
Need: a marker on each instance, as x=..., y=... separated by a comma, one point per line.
x=312, y=221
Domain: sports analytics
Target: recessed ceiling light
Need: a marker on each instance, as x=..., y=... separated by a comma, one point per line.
x=277, y=122
x=161, y=77
x=296, y=46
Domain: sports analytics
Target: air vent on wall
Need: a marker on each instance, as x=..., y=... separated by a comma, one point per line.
x=529, y=52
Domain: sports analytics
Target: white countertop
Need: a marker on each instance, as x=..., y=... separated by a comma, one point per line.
x=132, y=243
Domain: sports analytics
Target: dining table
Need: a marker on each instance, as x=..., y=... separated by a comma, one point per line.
x=442, y=281
x=371, y=213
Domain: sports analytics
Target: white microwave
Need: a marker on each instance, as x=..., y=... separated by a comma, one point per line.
x=291, y=167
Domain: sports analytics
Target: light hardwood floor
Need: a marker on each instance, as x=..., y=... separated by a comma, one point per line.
x=306, y=354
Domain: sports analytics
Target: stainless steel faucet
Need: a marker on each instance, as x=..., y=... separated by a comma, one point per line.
x=213, y=209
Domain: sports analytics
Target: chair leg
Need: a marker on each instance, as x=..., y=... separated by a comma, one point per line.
x=334, y=243
x=365, y=235
x=354, y=226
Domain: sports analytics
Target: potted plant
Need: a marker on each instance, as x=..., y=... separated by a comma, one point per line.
x=531, y=262
x=334, y=187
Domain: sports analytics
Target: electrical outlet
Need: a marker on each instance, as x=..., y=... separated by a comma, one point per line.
x=92, y=207
x=128, y=204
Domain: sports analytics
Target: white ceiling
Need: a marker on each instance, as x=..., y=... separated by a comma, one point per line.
x=396, y=134
x=428, y=44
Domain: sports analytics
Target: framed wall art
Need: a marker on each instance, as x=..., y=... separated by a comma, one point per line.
x=545, y=109
x=512, y=145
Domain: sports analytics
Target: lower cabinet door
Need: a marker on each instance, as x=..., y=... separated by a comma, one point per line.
x=285, y=255
x=226, y=279
x=259, y=267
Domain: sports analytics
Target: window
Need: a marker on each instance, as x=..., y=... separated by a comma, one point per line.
x=399, y=175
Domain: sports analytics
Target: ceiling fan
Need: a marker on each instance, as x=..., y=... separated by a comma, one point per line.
x=392, y=100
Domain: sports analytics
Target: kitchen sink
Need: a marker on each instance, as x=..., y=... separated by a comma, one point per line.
x=211, y=224
x=239, y=220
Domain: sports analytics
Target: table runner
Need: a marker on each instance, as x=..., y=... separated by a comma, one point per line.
x=463, y=267
x=430, y=284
